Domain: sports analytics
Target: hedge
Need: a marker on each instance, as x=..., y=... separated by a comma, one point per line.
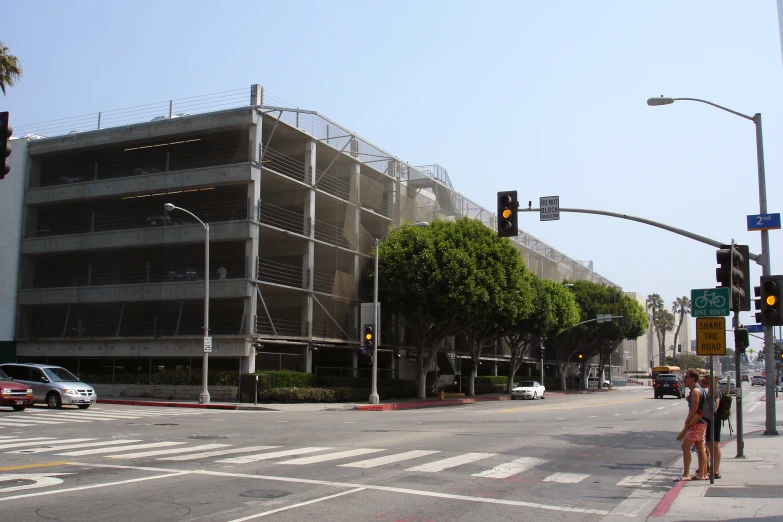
x=291, y=395
x=332, y=389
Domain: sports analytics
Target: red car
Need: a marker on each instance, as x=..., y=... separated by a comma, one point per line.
x=18, y=396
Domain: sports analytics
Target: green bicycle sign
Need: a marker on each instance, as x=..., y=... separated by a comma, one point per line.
x=710, y=302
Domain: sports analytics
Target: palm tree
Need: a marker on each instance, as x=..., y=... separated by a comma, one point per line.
x=654, y=305
x=664, y=322
x=10, y=70
x=681, y=306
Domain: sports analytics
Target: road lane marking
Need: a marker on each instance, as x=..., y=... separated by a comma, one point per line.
x=537, y=407
x=508, y=469
x=115, y=450
x=388, y=459
x=52, y=445
x=57, y=447
x=639, y=480
x=205, y=454
x=300, y=504
x=566, y=478
x=16, y=424
x=15, y=442
x=331, y=456
x=57, y=418
x=755, y=406
x=170, y=451
x=272, y=455
x=440, y=465
x=28, y=420
x=38, y=465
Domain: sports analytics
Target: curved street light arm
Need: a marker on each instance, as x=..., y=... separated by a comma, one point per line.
x=192, y=214
x=718, y=106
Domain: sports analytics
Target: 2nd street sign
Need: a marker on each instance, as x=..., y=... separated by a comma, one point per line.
x=710, y=336
x=755, y=328
x=764, y=222
x=709, y=302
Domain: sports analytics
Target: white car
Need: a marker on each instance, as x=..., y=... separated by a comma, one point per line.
x=528, y=390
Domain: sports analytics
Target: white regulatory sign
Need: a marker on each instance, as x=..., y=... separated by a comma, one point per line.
x=207, y=344
x=550, y=208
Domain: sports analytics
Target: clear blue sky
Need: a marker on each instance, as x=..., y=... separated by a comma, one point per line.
x=547, y=98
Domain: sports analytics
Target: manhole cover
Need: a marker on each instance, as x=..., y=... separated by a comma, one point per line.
x=208, y=437
x=746, y=492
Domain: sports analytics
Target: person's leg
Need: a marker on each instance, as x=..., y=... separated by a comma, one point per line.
x=701, y=471
x=686, y=457
x=718, y=452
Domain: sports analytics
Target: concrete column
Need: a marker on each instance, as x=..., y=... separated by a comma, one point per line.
x=255, y=138
x=256, y=94
x=355, y=364
x=248, y=362
x=308, y=256
x=308, y=358
x=252, y=251
x=355, y=173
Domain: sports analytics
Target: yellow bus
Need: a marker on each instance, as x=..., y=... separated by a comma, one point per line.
x=666, y=369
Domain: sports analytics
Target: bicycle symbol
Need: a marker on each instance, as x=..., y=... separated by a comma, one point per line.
x=711, y=298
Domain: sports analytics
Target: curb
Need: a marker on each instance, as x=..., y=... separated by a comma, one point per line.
x=169, y=404
x=427, y=404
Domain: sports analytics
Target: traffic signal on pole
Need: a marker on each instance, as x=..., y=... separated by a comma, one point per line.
x=741, y=339
x=621, y=320
x=734, y=274
x=770, y=304
x=507, y=214
x=5, y=147
x=580, y=357
x=369, y=338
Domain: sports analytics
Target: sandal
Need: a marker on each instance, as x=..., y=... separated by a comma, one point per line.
x=696, y=477
x=682, y=479
x=717, y=476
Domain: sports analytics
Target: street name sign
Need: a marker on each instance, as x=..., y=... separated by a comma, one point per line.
x=207, y=344
x=549, y=208
x=710, y=336
x=755, y=328
x=764, y=222
x=709, y=302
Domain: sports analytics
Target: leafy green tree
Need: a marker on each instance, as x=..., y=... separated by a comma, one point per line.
x=636, y=322
x=690, y=360
x=654, y=304
x=680, y=308
x=10, y=69
x=554, y=309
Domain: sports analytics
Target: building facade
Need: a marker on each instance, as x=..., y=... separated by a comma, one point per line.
x=108, y=282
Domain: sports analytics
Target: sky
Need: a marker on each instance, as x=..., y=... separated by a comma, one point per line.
x=546, y=98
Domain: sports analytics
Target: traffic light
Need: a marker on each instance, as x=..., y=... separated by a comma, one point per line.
x=369, y=338
x=5, y=148
x=741, y=339
x=507, y=214
x=771, y=299
x=734, y=274
x=580, y=357
x=621, y=320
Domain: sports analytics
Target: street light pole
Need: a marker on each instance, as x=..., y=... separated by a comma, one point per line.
x=374, y=398
x=203, y=398
x=764, y=258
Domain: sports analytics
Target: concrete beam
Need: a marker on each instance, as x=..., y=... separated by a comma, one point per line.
x=222, y=346
x=178, y=234
x=173, y=291
x=211, y=122
x=144, y=184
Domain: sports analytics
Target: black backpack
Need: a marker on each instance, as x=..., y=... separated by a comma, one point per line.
x=723, y=413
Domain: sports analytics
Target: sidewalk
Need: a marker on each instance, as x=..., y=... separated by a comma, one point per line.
x=750, y=488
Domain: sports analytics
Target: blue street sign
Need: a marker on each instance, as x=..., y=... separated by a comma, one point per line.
x=764, y=222
x=365, y=352
x=755, y=328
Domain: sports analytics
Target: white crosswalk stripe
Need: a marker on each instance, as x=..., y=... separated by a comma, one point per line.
x=207, y=454
x=16, y=424
x=56, y=446
x=272, y=455
x=331, y=456
x=37, y=421
x=566, y=478
x=388, y=459
x=15, y=443
x=508, y=469
x=116, y=450
x=53, y=417
x=451, y=462
x=155, y=453
x=638, y=480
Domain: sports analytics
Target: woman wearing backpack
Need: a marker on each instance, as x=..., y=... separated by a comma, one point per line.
x=694, y=431
x=708, y=414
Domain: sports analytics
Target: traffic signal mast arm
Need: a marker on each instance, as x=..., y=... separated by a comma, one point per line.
x=755, y=257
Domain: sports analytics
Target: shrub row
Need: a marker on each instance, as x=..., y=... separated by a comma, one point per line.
x=291, y=395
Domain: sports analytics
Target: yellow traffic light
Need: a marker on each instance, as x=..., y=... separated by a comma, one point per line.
x=580, y=356
x=506, y=213
x=368, y=336
x=771, y=300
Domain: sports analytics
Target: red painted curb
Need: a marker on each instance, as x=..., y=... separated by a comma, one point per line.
x=426, y=404
x=169, y=404
x=668, y=499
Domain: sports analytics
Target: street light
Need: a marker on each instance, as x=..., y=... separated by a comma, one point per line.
x=769, y=343
x=374, y=399
x=203, y=398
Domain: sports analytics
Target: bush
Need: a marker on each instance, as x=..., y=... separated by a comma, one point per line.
x=486, y=384
x=293, y=395
x=343, y=389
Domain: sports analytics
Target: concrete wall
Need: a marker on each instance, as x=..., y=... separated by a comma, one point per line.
x=11, y=197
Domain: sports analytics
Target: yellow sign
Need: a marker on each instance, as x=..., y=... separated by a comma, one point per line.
x=710, y=336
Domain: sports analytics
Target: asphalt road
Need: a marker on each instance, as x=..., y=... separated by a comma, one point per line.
x=569, y=457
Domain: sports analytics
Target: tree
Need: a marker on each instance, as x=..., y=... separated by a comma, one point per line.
x=492, y=291
x=10, y=70
x=554, y=309
x=689, y=360
x=415, y=277
x=654, y=304
x=664, y=322
x=680, y=307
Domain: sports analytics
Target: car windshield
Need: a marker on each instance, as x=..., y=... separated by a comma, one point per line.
x=526, y=384
x=3, y=376
x=60, y=375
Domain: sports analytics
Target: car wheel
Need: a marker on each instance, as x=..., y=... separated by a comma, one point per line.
x=19, y=408
x=53, y=400
x=535, y=395
x=543, y=396
x=83, y=406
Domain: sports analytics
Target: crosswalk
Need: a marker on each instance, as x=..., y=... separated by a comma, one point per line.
x=492, y=466
x=33, y=418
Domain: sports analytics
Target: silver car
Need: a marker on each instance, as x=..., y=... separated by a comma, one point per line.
x=52, y=385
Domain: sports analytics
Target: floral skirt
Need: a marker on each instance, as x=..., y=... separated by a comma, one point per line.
x=696, y=432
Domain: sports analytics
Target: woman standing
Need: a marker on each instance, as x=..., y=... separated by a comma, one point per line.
x=695, y=429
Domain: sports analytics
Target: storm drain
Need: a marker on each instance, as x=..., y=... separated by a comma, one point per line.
x=746, y=492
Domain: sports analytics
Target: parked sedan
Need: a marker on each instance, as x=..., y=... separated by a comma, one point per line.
x=16, y=395
x=528, y=390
